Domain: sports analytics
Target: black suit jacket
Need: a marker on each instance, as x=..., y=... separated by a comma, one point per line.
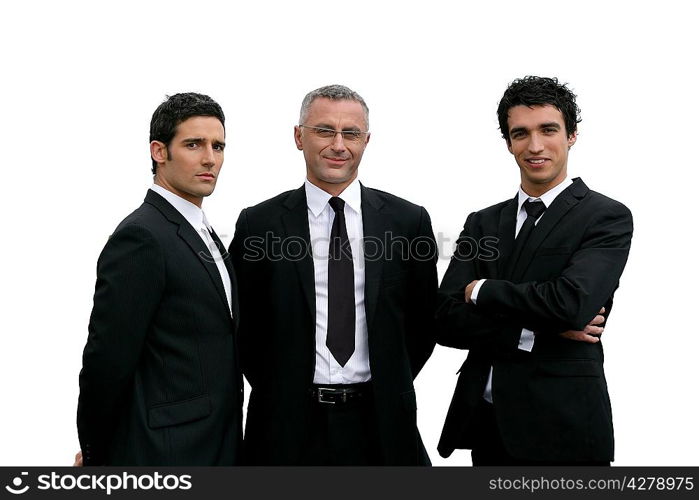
x=160, y=383
x=277, y=294
x=552, y=403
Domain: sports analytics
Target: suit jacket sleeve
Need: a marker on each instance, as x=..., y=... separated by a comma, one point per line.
x=461, y=325
x=247, y=295
x=130, y=281
x=572, y=299
x=420, y=328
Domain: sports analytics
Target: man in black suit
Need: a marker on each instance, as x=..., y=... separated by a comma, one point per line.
x=337, y=286
x=528, y=394
x=160, y=383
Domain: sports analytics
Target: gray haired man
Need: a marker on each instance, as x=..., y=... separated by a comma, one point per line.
x=337, y=288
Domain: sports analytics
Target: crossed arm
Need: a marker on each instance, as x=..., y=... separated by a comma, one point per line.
x=571, y=303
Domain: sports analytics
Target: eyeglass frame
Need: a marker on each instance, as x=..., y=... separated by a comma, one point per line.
x=355, y=135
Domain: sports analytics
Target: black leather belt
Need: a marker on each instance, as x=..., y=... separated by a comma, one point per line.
x=340, y=394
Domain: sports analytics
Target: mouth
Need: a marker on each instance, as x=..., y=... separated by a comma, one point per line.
x=335, y=161
x=536, y=162
x=207, y=176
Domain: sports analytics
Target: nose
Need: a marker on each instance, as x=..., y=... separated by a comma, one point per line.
x=536, y=145
x=208, y=158
x=338, y=143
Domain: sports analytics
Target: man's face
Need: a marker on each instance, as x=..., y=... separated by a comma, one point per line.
x=332, y=162
x=539, y=143
x=189, y=167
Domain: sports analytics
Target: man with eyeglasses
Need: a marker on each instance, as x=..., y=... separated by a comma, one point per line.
x=528, y=394
x=337, y=288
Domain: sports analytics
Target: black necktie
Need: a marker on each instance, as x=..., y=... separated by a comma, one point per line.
x=534, y=210
x=341, y=311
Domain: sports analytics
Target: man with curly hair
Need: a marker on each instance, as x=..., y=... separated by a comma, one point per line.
x=533, y=390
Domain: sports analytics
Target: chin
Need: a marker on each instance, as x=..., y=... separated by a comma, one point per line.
x=203, y=194
x=332, y=179
x=335, y=180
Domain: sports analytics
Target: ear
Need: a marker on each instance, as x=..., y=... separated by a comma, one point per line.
x=158, y=151
x=571, y=139
x=509, y=146
x=368, y=136
x=297, y=138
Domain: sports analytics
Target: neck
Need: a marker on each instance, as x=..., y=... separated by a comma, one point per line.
x=330, y=188
x=536, y=190
x=194, y=200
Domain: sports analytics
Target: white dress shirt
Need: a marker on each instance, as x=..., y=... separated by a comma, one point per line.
x=320, y=221
x=197, y=219
x=526, y=338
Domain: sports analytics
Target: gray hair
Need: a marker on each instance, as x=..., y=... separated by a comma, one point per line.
x=336, y=93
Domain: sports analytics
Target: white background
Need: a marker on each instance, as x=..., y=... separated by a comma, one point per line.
x=80, y=81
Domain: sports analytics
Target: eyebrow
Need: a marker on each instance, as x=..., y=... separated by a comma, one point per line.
x=201, y=139
x=325, y=126
x=550, y=125
x=555, y=125
x=352, y=128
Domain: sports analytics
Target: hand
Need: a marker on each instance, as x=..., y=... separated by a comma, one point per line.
x=590, y=333
x=469, y=290
x=78, y=459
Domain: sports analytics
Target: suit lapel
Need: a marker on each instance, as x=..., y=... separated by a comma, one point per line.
x=296, y=225
x=375, y=229
x=231, y=273
x=561, y=205
x=506, y=235
x=191, y=238
x=194, y=241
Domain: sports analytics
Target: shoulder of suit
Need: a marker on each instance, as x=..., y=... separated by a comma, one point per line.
x=147, y=218
x=393, y=201
x=273, y=203
x=493, y=209
x=601, y=201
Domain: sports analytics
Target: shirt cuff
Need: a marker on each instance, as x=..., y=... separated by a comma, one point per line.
x=474, y=293
x=526, y=340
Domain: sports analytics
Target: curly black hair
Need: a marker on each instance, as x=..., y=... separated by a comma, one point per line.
x=538, y=91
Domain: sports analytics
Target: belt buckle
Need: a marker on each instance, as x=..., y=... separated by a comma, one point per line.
x=323, y=390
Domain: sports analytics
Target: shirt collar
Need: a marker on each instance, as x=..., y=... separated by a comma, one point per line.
x=317, y=199
x=192, y=213
x=547, y=198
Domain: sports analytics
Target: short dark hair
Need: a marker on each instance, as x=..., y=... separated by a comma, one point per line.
x=538, y=91
x=178, y=108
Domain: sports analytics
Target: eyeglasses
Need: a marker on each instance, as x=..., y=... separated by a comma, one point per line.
x=328, y=133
